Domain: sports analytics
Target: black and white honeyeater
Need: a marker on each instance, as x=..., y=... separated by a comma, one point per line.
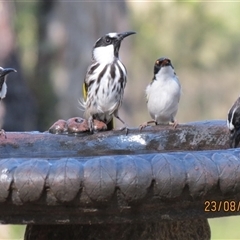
x=233, y=123
x=163, y=94
x=3, y=86
x=105, y=81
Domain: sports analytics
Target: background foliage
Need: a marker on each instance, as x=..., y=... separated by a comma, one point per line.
x=50, y=43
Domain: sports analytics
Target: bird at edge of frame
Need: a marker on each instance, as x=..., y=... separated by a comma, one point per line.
x=105, y=82
x=163, y=94
x=233, y=124
x=3, y=87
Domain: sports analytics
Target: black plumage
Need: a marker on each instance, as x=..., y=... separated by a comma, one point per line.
x=233, y=123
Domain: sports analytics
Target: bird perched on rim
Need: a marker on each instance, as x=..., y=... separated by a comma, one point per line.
x=3, y=86
x=233, y=123
x=105, y=81
x=163, y=94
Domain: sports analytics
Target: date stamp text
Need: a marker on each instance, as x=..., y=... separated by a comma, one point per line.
x=218, y=206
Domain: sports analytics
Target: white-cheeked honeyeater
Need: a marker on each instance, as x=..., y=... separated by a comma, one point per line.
x=163, y=94
x=233, y=124
x=3, y=86
x=105, y=81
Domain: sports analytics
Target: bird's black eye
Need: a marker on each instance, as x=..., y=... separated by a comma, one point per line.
x=108, y=40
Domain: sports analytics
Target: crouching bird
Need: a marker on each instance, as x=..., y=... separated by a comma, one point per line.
x=233, y=124
x=105, y=81
x=163, y=94
x=3, y=86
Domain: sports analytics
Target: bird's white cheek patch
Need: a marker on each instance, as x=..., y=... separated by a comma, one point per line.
x=104, y=54
x=230, y=125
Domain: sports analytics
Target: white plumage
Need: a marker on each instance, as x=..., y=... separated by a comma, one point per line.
x=163, y=93
x=104, y=54
x=3, y=92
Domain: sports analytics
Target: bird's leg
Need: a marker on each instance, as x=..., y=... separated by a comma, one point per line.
x=125, y=126
x=90, y=124
x=145, y=124
x=3, y=133
x=174, y=123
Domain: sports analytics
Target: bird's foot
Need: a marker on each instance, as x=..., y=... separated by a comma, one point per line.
x=145, y=124
x=126, y=129
x=125, y=126
x=90, y=125
x=174, y=124
x=3, y=133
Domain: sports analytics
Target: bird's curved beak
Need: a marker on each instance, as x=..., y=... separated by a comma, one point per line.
x=8, y=70
x=121, y=36
x=234, y=138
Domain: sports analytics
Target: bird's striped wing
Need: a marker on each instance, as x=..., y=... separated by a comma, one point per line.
x=110, y=125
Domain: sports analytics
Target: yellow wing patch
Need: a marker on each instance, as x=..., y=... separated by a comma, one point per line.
x=84, y=91
x=110, y=125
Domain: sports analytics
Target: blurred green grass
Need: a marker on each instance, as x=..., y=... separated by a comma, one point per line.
x=12, y=232
x=225, y=228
